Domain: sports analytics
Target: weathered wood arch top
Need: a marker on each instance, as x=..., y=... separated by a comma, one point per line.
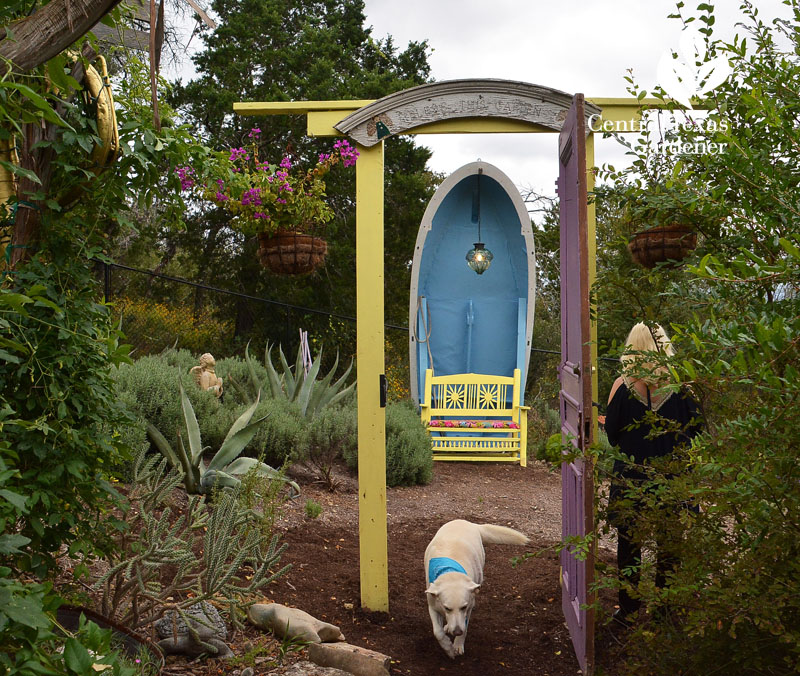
x=403, y=111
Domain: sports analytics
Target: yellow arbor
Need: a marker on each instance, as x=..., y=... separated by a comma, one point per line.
x=455, y=107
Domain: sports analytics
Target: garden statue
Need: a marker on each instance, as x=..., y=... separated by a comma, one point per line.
x=205, y=376
x=206, y=634
x=292, y=623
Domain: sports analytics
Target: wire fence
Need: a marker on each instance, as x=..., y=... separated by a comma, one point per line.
x=159, y=311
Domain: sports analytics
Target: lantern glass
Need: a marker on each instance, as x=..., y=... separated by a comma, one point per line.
x=479, y=258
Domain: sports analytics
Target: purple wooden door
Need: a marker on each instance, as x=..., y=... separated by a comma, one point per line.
x=575, y=374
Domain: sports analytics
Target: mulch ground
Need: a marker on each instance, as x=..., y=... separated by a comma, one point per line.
x=517, y=626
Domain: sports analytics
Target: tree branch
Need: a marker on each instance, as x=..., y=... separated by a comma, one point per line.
x=57, y=25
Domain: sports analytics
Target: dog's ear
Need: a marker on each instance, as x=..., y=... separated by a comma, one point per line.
x=475, y=587
x=432, y=590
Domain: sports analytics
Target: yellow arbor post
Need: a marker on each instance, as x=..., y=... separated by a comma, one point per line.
x=372, y=528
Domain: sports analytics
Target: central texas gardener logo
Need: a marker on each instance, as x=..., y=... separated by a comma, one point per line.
x=690, y=73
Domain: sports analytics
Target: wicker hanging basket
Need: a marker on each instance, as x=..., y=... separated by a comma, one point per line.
x=291, y=252
x=664, y=243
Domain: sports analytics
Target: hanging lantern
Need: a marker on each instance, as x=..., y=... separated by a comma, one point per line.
x=479, y=258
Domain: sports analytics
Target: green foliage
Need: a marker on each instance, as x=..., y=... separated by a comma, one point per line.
x=543, y=422
x=151, y=384
x=187, y=458
x=312, y=509
x=295, y=385
x=167, y=560
x=30, y=643
x=302, y=50
x=733, y=310
x=58, y=410
x=409, y=458
x=326, y=441
x=275, y=439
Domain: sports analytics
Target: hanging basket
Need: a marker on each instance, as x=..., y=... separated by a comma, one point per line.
x=663, y=243
x=291, y=252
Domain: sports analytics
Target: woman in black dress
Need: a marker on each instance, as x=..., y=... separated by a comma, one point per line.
x=635, y=405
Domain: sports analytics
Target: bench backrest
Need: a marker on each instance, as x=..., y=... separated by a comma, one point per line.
x=471, y=394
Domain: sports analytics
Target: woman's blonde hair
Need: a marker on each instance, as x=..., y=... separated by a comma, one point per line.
x=641, y=340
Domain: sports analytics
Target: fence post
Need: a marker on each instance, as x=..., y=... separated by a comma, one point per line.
x=107, y=281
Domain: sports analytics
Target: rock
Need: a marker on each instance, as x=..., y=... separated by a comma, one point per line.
x=176, y=637
x=350, y=658
x=292, y=622
x=308, y=669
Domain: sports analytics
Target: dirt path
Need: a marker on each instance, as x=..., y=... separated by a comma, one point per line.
x=517, y=626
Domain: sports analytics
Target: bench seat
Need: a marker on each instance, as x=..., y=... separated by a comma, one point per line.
x=475, y=417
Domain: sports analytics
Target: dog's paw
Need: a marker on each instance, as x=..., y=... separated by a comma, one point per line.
x=448, y=647
x=458, y=649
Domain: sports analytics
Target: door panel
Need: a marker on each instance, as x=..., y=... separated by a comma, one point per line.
x=575, y=371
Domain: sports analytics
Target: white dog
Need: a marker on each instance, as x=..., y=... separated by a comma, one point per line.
x=453, y=571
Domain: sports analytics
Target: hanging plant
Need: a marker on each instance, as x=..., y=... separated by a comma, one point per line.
x=660, y=221
x=286, y=210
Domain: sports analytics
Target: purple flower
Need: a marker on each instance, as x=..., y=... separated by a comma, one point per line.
x=280, y=200
x=348, y=154
x=286, y=163
x=185, y=175
x=255, y=132
x=237, y=153
x=252, y=196
x=220, y=197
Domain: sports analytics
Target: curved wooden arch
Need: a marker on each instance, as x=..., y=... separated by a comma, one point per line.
x=403, y=111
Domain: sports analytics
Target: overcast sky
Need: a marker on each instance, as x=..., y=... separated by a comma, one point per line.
x=573, y=45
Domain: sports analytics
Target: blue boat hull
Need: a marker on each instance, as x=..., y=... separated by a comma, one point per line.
x=462, y=322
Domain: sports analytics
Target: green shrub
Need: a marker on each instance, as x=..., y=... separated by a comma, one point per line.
x=409, y=458
x=312, y=509
x=152, y=385
x=236, y=379
x=225, y=465
x=543, y=422
x=57, y=409
x=332, y=434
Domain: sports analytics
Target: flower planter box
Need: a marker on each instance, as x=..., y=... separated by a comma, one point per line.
x=663, y=243
x=291, y=253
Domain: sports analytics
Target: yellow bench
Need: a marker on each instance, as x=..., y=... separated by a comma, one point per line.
x=472, y=416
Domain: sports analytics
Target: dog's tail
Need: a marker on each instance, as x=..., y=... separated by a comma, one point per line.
x=500, y=535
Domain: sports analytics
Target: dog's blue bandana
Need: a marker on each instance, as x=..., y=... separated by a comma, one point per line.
x=441, y=565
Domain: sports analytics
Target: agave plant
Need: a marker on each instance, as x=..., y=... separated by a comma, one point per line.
x=199, y=478
x=295, y=385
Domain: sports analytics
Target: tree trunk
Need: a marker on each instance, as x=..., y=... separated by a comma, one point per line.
x=57, y=25
x=39, y=160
